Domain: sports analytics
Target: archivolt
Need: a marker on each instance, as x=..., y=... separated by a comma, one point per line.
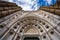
x=40, y=24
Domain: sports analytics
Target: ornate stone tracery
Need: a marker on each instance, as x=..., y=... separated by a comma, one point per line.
x=22, y=24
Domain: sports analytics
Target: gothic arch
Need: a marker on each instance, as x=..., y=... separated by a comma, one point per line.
x=43, y=28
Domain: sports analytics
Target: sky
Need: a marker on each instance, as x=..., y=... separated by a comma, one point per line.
x=33, y=5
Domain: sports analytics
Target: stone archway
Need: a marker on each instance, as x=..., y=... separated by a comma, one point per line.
x=42, y=29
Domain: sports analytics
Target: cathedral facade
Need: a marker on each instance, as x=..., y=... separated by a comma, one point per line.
x=16, y=24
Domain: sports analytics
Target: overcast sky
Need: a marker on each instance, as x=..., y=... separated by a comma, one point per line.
x=29, y=5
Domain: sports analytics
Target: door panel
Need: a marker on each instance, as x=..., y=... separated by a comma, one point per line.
x=31, y=38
